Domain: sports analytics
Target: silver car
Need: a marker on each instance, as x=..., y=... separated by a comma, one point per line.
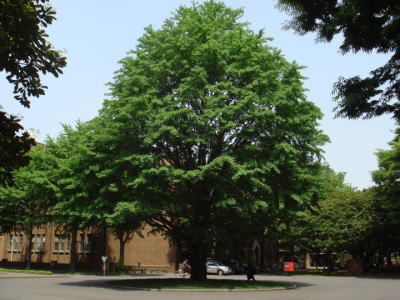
x=215, y=267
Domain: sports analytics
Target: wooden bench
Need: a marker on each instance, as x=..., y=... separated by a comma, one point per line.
x=134, y=270
x=158, y=271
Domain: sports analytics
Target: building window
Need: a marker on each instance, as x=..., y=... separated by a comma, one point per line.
x=38, y=241
x=61, y=243
x=15, y=242
x=82, y=243
x=87, y=243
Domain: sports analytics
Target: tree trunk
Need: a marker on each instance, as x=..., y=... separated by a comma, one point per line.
x=367, y=260
x=73, y=252
x=28, y=254
x=356, y=266
x=105, y=239
x=250, y=253
x=262, y=252
x=198, y=261
x=329, y=261
x=178, y=254
x=122, y=242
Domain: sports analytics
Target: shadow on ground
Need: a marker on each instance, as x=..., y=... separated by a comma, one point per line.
x=100, y=283
x=380, y=276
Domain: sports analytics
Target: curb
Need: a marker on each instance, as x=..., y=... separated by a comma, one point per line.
x=197, y=290
x=33, y=276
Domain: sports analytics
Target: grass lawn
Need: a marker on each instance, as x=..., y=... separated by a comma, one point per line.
x=39, y=272
x=67, y=272
x=172, y=283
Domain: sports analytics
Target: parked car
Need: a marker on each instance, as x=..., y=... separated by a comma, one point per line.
x=236, y=266
x=216, y=267
x=274, y=268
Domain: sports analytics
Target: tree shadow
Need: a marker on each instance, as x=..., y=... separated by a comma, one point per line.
x=101, y=283
x=86, y=283
x=298, y=284
x=379, y=276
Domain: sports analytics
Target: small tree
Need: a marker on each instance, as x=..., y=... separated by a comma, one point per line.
x=28, y=203
x=124, y=223
x=74, y=198
x=92, y=188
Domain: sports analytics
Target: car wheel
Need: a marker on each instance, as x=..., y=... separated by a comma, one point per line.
x=220, y=272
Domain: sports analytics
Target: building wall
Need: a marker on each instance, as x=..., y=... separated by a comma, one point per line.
x=150, y=252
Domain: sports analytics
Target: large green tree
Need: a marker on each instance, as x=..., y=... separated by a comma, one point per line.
x=206, y=116
x=366, y=26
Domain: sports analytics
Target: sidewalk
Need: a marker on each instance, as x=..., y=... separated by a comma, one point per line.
x=4, y=274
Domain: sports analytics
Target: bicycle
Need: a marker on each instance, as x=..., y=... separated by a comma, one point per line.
x=182, y=274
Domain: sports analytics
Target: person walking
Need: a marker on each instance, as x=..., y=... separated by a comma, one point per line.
x=251, y=271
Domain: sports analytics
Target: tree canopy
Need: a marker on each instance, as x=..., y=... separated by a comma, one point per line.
x=387, y=178
x=25, y=51
x=205, y=117
x=14, y=145
x=28, y=203
x=25, y=55
x=343, y=220
x=366, y=25
x=92, y=182
x=32, y=193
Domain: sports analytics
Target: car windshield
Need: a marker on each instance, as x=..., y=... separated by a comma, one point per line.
x=218, y=263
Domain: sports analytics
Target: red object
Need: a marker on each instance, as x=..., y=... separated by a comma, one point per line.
x=288, y=266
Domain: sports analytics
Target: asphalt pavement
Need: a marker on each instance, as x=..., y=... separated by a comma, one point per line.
x=92, y=288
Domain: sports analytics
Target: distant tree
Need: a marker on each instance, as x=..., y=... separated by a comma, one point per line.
x=366, y=26
x=387, y=178
x=207, y=117
x=346, y=220
x=25, y=53
x=28, y=203
x=281, y=225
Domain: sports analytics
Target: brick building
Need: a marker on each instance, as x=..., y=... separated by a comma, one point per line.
x=51, y=248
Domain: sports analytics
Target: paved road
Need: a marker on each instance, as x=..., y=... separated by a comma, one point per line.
x=309, y=288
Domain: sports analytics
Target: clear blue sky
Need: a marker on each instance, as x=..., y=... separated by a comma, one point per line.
x=95, y=34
